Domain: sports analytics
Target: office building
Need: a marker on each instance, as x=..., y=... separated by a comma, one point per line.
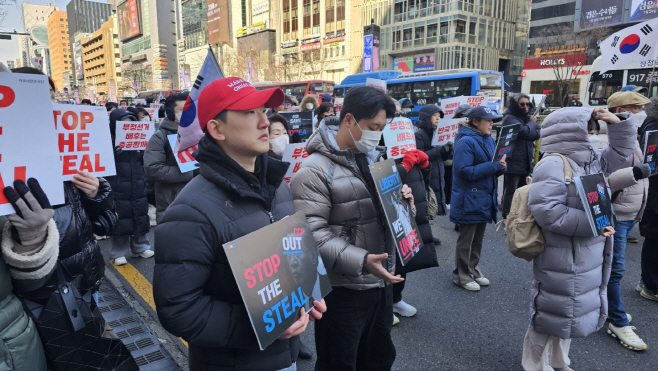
x=11, y=64
x=193, y=44
x=35, y=22
x=60, y=51
x=101, y=60
x=84, y=17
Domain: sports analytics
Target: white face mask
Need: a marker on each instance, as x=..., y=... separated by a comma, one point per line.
x=596, y=142
x=178, y=116
x=639, y=118
x=145, y=118
x=309, y=106
x=369, y=140
x=279, y=144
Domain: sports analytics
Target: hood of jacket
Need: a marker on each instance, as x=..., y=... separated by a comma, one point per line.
x=308, y=99
x=565, y=132
x=513, y=106
x=465, y=130
x=119, y=115
x=323, y=140
x=169, y=125
x=425, y=116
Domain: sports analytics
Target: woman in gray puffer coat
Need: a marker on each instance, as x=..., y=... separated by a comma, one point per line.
x=571, y=274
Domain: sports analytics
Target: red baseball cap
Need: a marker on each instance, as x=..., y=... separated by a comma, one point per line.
x=236, y=94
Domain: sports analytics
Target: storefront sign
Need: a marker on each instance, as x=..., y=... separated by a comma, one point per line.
x=334, y=40
x=561, y=49
x=313, y=46
x=289, y=44
x=564, y=60
x=260, y=8
x=292, y=50
x=310, y=40
x=581, y=72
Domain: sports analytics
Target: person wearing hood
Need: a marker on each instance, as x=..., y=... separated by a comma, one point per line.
x=429, y=118
x=648, y=286
x=336, y=191
x=129, y=190
x=309, y=103
x=521, y=161
x=570, y=277
x=240, y=190
x=160, y=163
x=406, y=105
x=474, y=193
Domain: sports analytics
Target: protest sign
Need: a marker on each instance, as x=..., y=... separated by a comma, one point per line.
x=338, y=105
x=278, y=270
x=650, y=151
x=295, y=109
x=399, y=137
x=156, y=105
x=398, y=213
x=140, y=101
x=376, y=83
x=299, y=122
x=84, y=140
x=595, y=195
x=505, y=142
x=133, y=135
x=449, y=105
x=295, y=154
x=28, y=141
x=155, y=116
x=184, y=166
x=445, y=132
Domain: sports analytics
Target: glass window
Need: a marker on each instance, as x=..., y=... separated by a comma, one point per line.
x=432, y=30
x=423, y=93
x=399, y=91
x=452, y=88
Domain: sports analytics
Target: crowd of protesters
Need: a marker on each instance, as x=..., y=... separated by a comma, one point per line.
x=238, y=188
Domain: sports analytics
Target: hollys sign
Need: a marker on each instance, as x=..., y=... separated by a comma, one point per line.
x=560, y=60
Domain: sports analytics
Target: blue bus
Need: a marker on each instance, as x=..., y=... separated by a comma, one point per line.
x=430, y=87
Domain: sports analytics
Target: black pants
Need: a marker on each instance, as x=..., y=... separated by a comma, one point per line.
x=650, y=265
x=448, y=184
x=356, y=333
x=512, y=182
x=398, y=287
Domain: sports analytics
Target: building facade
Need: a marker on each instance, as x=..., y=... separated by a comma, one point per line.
x=193, y=45
x=101, y=59
x=60, y=51
x=35, y=20
x=11, y=64
x=84, y=17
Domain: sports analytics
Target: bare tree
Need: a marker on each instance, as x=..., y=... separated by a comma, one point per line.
x=141, y=73
x=314, y=64
x=3, y=10
x=569, y=45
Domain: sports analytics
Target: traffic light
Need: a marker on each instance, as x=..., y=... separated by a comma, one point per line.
x=5, y=37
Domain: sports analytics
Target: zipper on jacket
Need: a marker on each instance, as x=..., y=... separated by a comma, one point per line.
x=269, y=212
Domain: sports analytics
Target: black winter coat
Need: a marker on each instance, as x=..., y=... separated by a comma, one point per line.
x=649, y=223
x=196, y=295
x=129, y=186
x=523, y=155
x=436, y=154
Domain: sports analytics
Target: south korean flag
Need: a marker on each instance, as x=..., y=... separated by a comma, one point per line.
x=634, y=44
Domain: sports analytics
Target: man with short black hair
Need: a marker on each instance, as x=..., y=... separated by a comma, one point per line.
x=85, y=102
x=159, y=161
x=240, y=190
x=335, y=189
x=123, y=104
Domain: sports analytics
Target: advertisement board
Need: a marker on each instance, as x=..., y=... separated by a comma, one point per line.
x=218, y=22
x=563, y=60
x=129, y=19
x=367, y=53
x=599, y=13
x=419, y=63
x=642, y=10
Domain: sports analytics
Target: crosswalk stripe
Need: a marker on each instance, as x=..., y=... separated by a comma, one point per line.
x=140, y=284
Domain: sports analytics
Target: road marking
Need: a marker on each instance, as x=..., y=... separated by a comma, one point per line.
x=140, y=284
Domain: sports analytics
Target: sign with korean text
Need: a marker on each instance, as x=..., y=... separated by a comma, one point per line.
x=599, y=13
x=140, y=101
x=279, y=271
x=133, y=135
x=338, y=105
x=400, y=219
x=449, y=105
x=650, y=150
x=295, y=154
x=399, y=137
x=28, y=141
x=445, y=132
x=299, y=122
x=156, y=105
x=83, y=140
x=642, y=10
x=595, y=195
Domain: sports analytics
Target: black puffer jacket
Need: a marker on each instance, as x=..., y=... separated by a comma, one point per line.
x=436, y=154
x=522, y=158
x=649, y=223
x=196, y=295
x=129, y=186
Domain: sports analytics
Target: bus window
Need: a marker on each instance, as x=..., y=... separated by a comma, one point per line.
x=329, y=89
x=340, y=92
x=490, y=81
x=452, y=88
x=296, y=90
x=423, y=93
x=601, y=86
x=399, y=91
x=317, y=87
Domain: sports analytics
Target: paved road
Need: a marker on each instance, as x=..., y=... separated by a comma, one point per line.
x=459, y=330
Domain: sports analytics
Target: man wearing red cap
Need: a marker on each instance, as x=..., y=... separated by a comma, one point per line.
x=240, y=190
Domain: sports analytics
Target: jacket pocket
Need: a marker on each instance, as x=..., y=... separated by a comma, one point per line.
x=23, y=348
x=348, y=232
x=476, y=202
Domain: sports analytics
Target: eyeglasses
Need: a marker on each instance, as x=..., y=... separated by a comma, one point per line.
x=524, y=104
x=399, y=114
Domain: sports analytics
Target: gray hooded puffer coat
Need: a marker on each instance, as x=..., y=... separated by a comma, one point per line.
x=569, y=293
x=339, y=204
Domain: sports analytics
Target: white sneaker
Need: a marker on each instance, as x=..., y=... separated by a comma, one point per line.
x=629, y=317
x=146, y=254
x=639, y=287
x=404, y=309
x=482, y=281
x=471, y=286
x=119, y=261
x=627, y=337
x=152, y=213
x=396, y=320
x=647, y=295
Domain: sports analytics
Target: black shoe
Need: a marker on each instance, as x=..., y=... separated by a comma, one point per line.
x=456, y=227
x=437, y=242
x=632, y=239
x=304, y=352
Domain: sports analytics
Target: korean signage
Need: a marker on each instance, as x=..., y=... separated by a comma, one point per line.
x=367, y=53
x=295, y=154
x=260, y=8
x=650, y=150
x=28, y=144
x=129, y=19
x=642, y=10
x=599, y=13
x=311, y=46
x=419, y=63
x=595, y=196
x=133, y=135
x=643, y=77
x=445, y=132
x=83, y=140
x=334, y=40
x=561, y=49
x=218, y=22
x=563, y=60
x=371, y=48
x=399, y=137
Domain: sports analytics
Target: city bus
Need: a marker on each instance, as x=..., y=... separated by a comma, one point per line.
x=602, y=85
x=430, y=87
x=300, y=89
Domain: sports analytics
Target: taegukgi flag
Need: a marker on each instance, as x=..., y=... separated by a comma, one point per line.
x=637, y=43
x=189, y=130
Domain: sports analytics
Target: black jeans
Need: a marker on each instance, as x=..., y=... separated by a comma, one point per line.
x=398, y=287
x=356, y=333
x=448, y=184
x=650, y=265
x=512, y=182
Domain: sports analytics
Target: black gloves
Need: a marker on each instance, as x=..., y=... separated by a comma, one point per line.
x=641, y=171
